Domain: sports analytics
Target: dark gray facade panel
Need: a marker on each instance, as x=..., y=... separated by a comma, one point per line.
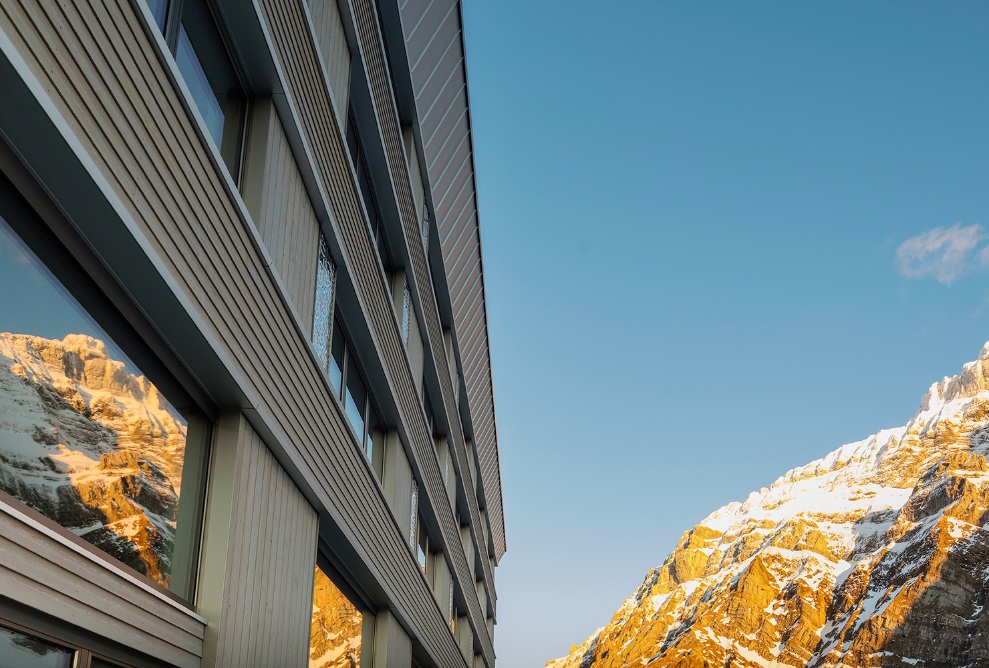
x=425, y=56
x=455, y=181
x=446, y=70
x=424, y=33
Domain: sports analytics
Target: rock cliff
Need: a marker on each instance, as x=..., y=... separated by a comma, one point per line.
x=91, y=445
x=875, y=555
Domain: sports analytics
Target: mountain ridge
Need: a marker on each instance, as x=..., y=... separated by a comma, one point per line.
x=849, y=560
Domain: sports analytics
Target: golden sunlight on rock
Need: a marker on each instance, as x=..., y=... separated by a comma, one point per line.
x=875, y=555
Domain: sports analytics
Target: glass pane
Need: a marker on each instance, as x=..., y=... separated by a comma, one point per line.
x=195, y=78
x=336, y=360
x=355, y=403
x=100, y=663
x=22, y=651
x=414, y=513
x=422, y=546
x=205, y=65
x=158, y=9
x=406, y=313
x=85, y=437
x=425, y=227
x=335, y=639
x=323, y=306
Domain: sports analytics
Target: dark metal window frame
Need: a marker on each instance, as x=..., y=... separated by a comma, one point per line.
x=234, y=154
x=83, y=656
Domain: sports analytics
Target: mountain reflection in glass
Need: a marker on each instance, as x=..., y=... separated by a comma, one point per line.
x=337, y=625
x=85, y=438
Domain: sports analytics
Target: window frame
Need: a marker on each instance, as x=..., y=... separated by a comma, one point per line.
x=233, y=145
x=90, y=294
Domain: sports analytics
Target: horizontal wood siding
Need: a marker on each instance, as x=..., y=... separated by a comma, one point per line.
x=104, y=76
x=50, y=574
x=270, y=564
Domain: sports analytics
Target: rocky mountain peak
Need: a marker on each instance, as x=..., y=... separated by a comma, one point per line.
x=874, y=555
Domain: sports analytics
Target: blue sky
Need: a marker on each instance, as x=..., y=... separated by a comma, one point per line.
x=720, y=240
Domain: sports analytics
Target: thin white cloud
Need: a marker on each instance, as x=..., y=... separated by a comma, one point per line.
x=942, y=253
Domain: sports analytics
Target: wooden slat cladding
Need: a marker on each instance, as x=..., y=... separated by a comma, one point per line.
x=55, y=577
x=103, y=75
x=305, y=86
x=374, y=62
x=434, y=41
x=334, y=50
x=287, y=222
x=270, y=564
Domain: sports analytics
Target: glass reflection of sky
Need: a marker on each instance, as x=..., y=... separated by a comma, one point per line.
x=32, y=301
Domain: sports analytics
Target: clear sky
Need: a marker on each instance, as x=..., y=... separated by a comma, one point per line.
x=720, y=240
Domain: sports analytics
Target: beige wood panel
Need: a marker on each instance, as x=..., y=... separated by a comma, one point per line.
x=333, y=49
x=51, y=574
x=286, y=219
x=271, y=557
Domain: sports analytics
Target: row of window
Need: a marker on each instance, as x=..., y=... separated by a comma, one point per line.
x=91, y=403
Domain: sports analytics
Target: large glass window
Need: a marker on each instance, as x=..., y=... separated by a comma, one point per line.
x=338, y=627
x=201, y=56
x=88, y=437
x=18, y=650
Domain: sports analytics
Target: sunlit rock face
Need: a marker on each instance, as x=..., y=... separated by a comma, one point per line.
x=335, y=640
x=91, y=446
x=875, y=555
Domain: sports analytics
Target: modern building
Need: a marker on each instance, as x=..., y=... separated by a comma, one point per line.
x=246, y=408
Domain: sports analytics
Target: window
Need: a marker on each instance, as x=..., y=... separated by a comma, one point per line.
x=348, y=384
x=24, y=651
x=204, y=62
x=414, y=515
x=406, y=312
x=20, y=649
x=422, y=549
x=424, y=228
x=94, y=434
x=322, y=324
x=366, y=186
x=337, y=628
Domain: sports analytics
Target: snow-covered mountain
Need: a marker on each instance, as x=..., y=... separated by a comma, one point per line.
x=875, y=555
x=91, y=446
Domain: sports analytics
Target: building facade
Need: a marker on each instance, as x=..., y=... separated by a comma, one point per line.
x=246, y=408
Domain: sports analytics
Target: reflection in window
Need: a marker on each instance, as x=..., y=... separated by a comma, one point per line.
x=425, y=227
x=158, y=10
x=323, y=308
x=206, y=68
x=86, y=438
x=422, y=547
x=406, y=313
x=337, y=625
x=18, y=650
x=355, y=400
x=414, y=514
